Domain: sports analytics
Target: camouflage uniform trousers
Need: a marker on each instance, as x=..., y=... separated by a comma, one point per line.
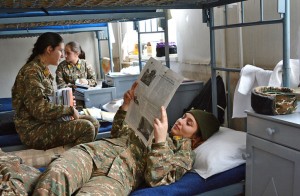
x=72, y=132
x=75, y=173
x=15, y=177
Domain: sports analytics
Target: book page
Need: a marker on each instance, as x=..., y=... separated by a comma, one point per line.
x=94, y=112
x=156, y=86
x=64, y=96
x=79, y=85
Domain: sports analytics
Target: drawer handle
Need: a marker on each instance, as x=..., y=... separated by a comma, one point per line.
x=270, y=131
x=245, y=156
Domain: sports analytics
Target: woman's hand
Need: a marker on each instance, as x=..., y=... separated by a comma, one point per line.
x=128, y=96
x=161, y=127
x=74, y=101
x=76, y=114
x=83, y=81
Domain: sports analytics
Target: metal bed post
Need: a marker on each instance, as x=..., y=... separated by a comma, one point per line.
x=166, y=30
x=110, y=50
x=137, y=28
x=228, y=70
x=286, y=42
x=99, y=53
x=242, y=12
x=213, y=61
x=261, y=10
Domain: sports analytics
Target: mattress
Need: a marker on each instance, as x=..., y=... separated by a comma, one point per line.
x=8, y=134
x=192, y=184
x=11, y=138
x=5, y=104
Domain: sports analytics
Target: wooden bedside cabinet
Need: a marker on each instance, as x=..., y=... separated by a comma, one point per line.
x=273, y=155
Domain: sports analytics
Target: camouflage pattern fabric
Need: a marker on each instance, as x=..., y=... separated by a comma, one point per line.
x=285, y=104
x=16, y=178
x=117, y=165
x=67, y=74
x=50, y=135
x=37, y=119
x=275, y=100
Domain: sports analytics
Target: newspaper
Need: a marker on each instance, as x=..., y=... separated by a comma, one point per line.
x=156, y=86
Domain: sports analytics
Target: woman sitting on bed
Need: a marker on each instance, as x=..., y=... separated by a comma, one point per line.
x=38, y=121
x=74, y=67
x=118, y=165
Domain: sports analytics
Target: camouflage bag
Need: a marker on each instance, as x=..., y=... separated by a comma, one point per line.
x=273, y=100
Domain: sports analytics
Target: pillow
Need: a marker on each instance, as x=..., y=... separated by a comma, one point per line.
x=221, y=152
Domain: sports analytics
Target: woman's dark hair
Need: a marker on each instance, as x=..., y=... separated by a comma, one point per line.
x=43, y=41
x=75, y=47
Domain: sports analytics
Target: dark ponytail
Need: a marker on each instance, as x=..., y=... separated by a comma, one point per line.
x=75, y=47
x=82, y=54
x=43, y=41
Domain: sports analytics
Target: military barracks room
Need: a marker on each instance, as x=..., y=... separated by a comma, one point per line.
x=168, y=97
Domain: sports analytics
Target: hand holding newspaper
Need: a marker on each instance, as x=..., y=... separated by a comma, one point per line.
x=156, y=86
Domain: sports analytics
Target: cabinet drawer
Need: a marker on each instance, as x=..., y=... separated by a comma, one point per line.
x=274, y=131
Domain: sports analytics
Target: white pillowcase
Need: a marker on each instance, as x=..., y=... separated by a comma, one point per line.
x=221, y=152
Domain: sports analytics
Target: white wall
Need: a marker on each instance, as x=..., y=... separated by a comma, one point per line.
x=263, y=44
x=259, y=45
x=14, y=53
x=192, y=37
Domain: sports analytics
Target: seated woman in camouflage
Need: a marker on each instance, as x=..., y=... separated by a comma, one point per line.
x=37, y=120
x=74, y=67
x=118, y=165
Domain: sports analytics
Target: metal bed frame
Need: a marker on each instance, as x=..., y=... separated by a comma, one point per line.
x=208, y=16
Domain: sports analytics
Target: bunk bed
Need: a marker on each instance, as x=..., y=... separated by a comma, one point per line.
x=55, y=13
x=283, y=10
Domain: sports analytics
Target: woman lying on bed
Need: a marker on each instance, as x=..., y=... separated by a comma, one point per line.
x=118, y=165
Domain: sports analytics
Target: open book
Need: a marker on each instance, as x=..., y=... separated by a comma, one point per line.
x=79, y=85
x=64, y=96
x=156, y=86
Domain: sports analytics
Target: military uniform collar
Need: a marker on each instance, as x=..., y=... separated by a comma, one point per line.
x=77, y=65
x=44, y=67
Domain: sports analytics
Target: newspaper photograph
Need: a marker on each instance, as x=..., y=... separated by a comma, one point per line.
x=156, y=86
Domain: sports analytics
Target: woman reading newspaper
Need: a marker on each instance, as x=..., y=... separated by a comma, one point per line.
x=118, y=165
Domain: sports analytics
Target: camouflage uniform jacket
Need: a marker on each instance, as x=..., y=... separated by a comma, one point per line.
x=16, y=178
x=158, y=164
x=67, y=74
x=31, y=94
